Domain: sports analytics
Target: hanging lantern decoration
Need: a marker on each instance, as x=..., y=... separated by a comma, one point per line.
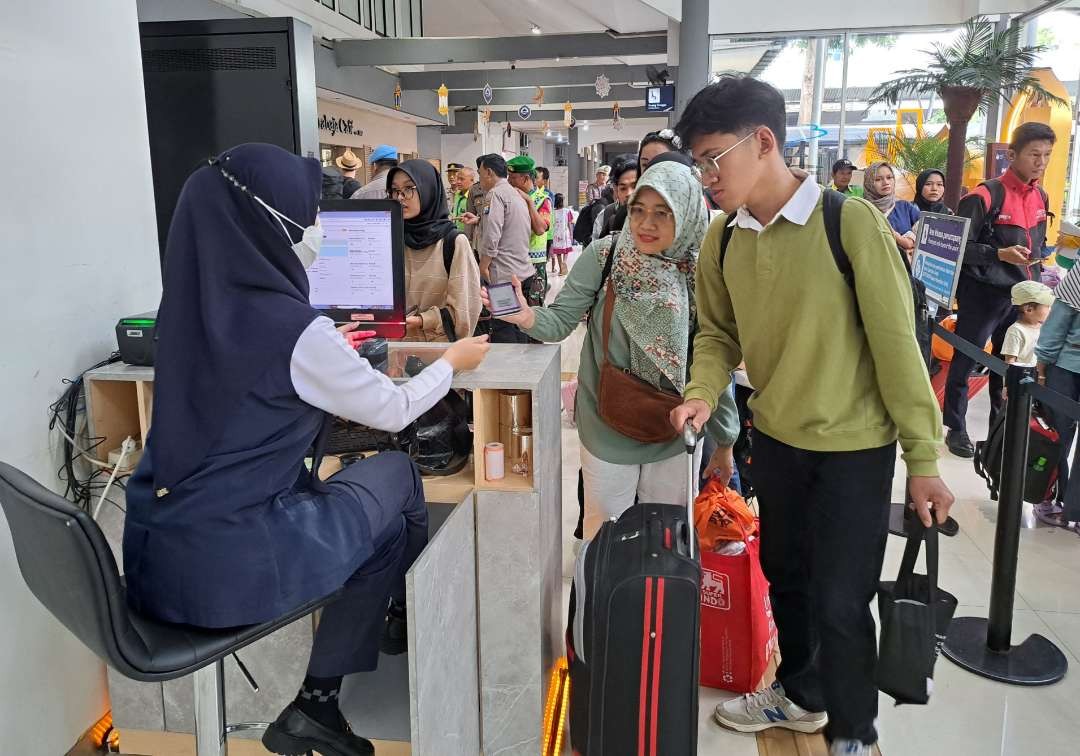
x=397, y=97
x=603, y=86
x=538, y=98
x=616, y=119
x=568, y=114
x=444, y=100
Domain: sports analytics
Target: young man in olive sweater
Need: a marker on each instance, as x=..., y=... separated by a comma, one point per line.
x=838, y=379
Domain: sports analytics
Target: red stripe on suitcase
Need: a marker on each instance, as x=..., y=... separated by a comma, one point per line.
x=658, y=645
x=642, y=703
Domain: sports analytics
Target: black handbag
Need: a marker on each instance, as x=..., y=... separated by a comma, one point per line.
x=915, y=615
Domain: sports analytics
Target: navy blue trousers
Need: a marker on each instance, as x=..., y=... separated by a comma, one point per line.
x=347, y=639
x=985, y=314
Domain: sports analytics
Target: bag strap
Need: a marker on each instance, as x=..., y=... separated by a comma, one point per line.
x=449, y=247
x=609, y=309
x=917, y=534
x=605, y=274
x=725, y=239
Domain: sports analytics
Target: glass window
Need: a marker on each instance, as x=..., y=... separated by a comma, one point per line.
x=365, y=9
x=350, y=9
x=404, y=18
x=391, y=17
x=379, y=14
x=328, y=3
x=417, y=17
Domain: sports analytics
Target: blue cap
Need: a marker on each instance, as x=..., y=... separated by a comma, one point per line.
x=383, y=152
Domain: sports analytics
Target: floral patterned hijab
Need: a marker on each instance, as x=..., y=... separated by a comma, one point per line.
x=654, y=294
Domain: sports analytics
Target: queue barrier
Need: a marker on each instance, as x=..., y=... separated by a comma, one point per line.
x=984, y=645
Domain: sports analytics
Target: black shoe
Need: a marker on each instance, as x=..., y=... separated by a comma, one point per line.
x=295, y=733
x=395, y=637
x=959, y=444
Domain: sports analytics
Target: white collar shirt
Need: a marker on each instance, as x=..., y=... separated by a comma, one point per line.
x=798, y=209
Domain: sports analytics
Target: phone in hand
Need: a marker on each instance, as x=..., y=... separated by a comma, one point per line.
x=503, y=298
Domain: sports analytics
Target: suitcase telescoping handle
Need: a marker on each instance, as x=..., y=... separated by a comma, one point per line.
x=690, y=438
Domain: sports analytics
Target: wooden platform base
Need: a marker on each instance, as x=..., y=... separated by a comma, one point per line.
x=781, y=742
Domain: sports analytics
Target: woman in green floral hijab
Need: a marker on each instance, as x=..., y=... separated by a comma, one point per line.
x=650, y=267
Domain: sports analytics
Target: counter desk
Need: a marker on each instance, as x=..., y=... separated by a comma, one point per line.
x=484, y=598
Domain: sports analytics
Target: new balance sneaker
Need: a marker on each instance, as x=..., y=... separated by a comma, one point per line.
x=845, y=747
x=769, y=707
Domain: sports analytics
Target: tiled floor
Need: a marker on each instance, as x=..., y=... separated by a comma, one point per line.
x=968, y=715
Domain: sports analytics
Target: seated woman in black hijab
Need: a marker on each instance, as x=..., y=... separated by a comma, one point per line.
x=225, y=525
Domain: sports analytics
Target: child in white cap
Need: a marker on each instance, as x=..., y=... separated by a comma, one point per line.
x=1033, y=301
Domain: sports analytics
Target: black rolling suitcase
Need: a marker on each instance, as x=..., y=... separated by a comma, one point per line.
x=632, y=638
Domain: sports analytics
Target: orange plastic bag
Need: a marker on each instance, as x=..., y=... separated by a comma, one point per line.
x=942, y=350
x=720, y=514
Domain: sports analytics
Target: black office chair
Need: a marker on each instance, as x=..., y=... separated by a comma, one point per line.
x=67, y=564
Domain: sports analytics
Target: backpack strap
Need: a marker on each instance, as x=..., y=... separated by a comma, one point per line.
x=725, y=239
x=449, y=247
x=831, y=206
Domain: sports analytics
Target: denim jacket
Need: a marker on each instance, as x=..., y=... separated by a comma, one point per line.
x=1059, y=339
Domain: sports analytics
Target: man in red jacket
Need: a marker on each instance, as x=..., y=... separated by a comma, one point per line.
x=1005, y=246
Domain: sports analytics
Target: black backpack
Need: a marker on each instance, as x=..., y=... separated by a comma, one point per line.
x=832, y=205
x=1043, y=453
x=583, y=226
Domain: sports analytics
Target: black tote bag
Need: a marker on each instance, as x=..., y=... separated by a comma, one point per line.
x=915, y=616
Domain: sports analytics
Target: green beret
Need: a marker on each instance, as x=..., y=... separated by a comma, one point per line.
x=521, y=164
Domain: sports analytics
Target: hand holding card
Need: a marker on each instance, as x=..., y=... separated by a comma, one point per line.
x=506, y=302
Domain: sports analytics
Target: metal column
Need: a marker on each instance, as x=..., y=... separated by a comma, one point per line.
x=210, y=710
x=573, y=167
x=694, y=52
x=841, y=151
x=815, y=104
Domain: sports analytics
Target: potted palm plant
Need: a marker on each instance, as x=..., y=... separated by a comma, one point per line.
x=980, y=66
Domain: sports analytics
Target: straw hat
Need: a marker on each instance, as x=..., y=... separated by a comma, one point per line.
x=349, y=161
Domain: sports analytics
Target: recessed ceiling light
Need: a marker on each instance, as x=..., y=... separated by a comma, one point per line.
x=536, y=29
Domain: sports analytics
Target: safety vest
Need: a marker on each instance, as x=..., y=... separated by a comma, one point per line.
x=460, y=206
x=538, y=242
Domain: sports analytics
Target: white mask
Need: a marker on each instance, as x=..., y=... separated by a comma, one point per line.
x=307, y=249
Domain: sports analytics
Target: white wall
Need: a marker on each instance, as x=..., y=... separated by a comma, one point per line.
x=461, y=148
x=79, y=247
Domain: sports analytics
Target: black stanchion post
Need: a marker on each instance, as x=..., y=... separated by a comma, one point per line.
x=984, y=646
x=1010, y=512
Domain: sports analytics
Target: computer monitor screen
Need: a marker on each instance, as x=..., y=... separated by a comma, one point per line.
x=360, y=273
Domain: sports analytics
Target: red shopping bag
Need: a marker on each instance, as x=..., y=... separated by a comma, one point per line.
x=738, y=634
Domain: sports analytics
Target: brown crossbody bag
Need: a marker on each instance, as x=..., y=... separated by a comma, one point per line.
x=631, y=406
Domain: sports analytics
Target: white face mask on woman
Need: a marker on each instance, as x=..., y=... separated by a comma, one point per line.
x=307, y=249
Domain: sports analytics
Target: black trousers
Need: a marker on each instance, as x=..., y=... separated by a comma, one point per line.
x=824, y=521
x=388, y=488
x=985, y=313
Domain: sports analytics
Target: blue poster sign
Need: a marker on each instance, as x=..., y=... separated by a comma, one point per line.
x=939, y=252
x=524, y=112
